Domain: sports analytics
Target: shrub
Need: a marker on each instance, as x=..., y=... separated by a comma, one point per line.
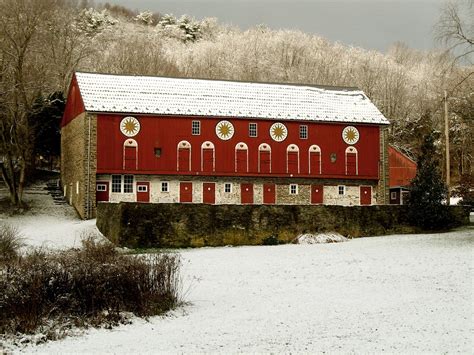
x=271, y=240
x=10, y=243
x=90, y=285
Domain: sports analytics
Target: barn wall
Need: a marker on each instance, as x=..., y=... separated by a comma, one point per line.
x=78, y=164
x=402, y=168
x=167, y=132
x=74, y=104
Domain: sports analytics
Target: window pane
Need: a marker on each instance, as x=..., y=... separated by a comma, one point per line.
x=228, y=187
x=128, y=183
x=303, y=132
x=164, y=186
x=196, y=128
x=252, y=130
x=116, y=183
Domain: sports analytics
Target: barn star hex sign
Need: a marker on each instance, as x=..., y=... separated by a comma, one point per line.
x=225, y=130
x=130, y=126
x=278, y=132
x=350, y=135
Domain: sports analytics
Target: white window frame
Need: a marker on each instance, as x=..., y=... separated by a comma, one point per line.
x=101, y=187
x=228, y=184
x=165, y=186
x=117, y=184
x=140, y=188
x=393, y=195
x=303, y=131
x=291, y=192
x=341, y=188
x=253, y=125
x=196, y=128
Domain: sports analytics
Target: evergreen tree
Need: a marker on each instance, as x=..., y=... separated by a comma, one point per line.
x=428, y=190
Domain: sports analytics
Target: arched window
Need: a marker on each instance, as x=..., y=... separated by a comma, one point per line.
x=292, y=159
x=241, y=158
x=352, y=161
x=183, y=162
x=130, y=154
x=208, y=157
x=264, y=158
x=314, y=160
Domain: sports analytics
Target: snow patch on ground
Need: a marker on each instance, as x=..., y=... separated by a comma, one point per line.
x=320, y=238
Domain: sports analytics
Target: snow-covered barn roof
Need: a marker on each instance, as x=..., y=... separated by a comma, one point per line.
x=197, y=97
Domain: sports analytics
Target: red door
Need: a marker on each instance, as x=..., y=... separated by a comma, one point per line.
x=209, y=192
x=365, y=195
x=130, y=158
x=102, y=191
x=241, y=161
x=292, y=161
x=317, y=194
x=208, y=160
x=315, y=162
x=183, y=159
x=143, y=191
x=265, y=162
x=185, y=192
x=269, y=193
x=351, y=164
x=246, y=193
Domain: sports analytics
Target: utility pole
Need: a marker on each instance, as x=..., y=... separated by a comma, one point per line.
x=446, y=132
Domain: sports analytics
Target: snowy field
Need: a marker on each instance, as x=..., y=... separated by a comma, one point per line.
x=396, y=294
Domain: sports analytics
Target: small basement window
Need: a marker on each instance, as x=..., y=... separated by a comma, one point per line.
x=341, y=189
x=228, y=187
x=393, y=195
x=157, y=152
x=293, y=189
x=165, y=186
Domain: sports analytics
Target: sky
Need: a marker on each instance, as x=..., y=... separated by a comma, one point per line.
x=371, y=24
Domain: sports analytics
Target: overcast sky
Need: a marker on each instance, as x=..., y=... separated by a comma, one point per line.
x=372, y=24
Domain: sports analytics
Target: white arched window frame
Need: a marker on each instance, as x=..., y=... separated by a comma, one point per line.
x=130, y=143
x=207, y=145
x=314, y=149
x=352, y=150
x=183, y=145
x=241, y=146
x=265, y=147
x=293, y=148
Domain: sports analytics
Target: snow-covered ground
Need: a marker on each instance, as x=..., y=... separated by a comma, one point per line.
x=396, y=294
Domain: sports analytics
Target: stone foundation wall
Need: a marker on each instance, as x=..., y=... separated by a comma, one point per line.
x=331, y=195
x=192, y=225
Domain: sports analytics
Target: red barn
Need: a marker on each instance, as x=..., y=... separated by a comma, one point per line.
x=169, y=140
x=402, y=170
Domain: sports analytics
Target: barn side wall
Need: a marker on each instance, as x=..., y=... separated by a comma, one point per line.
x=193, y=225
x=78, y=163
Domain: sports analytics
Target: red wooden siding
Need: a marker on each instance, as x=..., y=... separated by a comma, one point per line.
x=170, y=131
x=269, y=193
x=186, y=192
x=74, y=103
x=130, y=158
x=209, y=192
x=246, y=193
x=315, y=163
x=401, y=168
